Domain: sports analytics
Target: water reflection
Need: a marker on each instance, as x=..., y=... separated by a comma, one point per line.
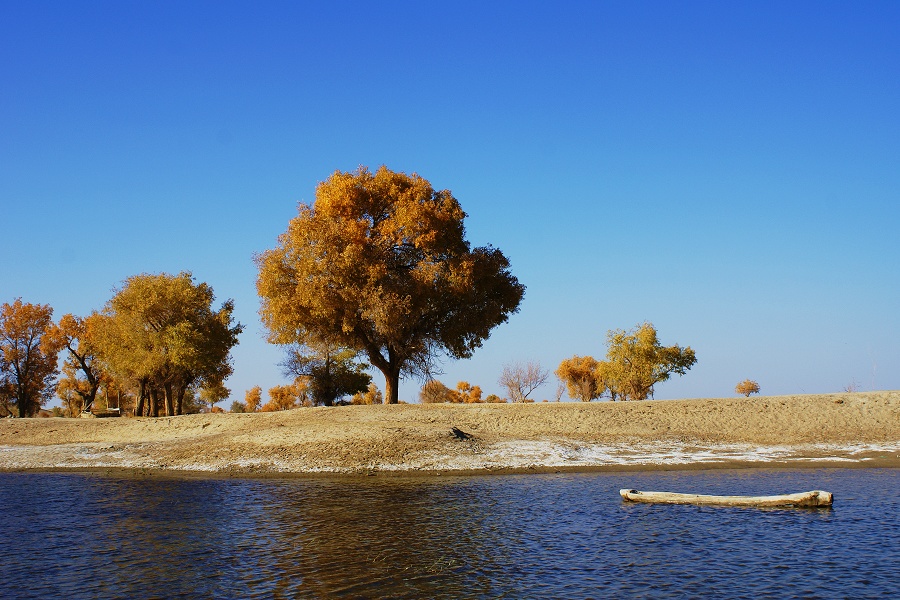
x=479, y=537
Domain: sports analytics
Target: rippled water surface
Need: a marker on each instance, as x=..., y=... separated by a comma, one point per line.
x=529, y=536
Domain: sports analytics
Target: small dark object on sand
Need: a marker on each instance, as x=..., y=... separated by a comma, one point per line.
x=460, y=434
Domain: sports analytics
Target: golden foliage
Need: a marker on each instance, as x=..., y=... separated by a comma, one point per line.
x=747, y=387
x=635, y=362
x=380, y=265
x=82, y=372
x=370, y=396
x=468, y=393
x=579, y=374
x=27, y=356
x=435, y=392
x=252, y=399
x=162, y=332
x=284, y=397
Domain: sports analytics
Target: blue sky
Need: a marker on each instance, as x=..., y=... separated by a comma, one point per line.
x=727, y=171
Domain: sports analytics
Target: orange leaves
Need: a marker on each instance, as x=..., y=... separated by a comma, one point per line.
x=635, y=362
x=580, y=375
x=380, y=265
x=747, y=387
x=27, y=360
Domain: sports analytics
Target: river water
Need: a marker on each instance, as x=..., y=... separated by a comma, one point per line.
x=515, y=536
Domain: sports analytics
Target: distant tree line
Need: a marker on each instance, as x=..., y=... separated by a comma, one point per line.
x=376, y=273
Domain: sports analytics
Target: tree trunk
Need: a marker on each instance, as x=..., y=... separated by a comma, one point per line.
x=154, y=402
x=392, y=387
x=170, y=407
x=390, y=368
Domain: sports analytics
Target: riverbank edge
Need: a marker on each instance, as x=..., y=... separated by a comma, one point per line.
x=362, y=474
x=855, y=430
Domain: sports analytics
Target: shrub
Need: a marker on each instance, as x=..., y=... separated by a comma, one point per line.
x=435, y=392
x=747, y=387
x=468, y=393
x=371, y=396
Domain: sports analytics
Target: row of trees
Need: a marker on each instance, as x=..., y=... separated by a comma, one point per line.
x=635, y=362
x=158, y=339
x=378, y=268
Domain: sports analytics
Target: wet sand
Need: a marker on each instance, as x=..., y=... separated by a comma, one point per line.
x=859, y=429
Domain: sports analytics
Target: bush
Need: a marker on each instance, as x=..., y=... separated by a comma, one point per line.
x=371, y=396
x=435, y=392
x=747, y=387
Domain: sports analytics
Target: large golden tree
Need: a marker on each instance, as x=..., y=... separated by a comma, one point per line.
x=379, y=264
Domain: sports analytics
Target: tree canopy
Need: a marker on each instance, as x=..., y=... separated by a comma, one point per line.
x=747, y=387
x=331, y=373
x=379, y=264
x=27, y=356
x=635, y=362
x=162, y=332
x=580, y=376
x=82, y=373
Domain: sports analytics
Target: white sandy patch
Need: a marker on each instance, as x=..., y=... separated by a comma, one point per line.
x=551, y=454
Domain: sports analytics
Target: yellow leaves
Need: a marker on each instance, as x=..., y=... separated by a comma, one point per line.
x=582, y=379
x=380, y=264
x=747, y=387
x=285, y=397
x=27, y=360
x=253, y=398
x=435, y=392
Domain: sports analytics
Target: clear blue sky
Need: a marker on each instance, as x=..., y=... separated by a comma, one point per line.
x=729, y=171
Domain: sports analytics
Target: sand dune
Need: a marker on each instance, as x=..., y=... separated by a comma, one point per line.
x=845, y=429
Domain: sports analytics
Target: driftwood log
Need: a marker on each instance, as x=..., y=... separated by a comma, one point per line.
x=813, y=499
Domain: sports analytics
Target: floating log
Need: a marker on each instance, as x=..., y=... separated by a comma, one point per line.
x=813, y=499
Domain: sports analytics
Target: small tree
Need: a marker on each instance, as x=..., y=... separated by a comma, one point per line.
x=636, y=361
x=435, y=392
x=468, y=393
x=82, y=375
x=332, y=372
x=252, y=399
x=27, y=359
x=520, y=379
x=580, y=376
x=284, y=397
x=747, y=387
x=238, y=407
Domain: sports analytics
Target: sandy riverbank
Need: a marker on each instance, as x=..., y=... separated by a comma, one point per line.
x=836, y=429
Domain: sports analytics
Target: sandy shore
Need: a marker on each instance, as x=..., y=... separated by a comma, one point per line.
x=823, y=430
